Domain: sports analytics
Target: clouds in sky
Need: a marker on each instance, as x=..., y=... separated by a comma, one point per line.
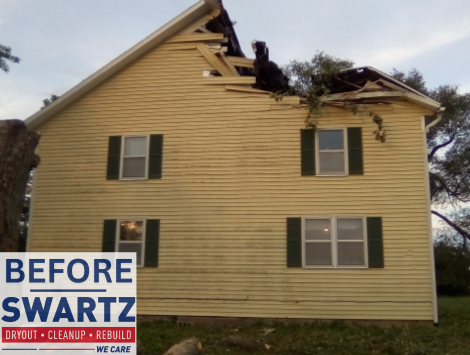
x=61, y=42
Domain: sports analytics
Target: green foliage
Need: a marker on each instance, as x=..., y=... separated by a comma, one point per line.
x=278, y=96
x=414, y=79
x=49, y=101
x=5, y=54
x=450, y=170
x=336, y=338
x=452, y=263
x=311, y=79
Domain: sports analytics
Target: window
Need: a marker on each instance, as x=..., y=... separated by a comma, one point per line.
x=334, y=242
x=134, y=157
x=130, y=238
x=134, y=235
x=331, y=152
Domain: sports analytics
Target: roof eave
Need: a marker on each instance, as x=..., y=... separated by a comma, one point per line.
x=420, y=100
x=409, y=92
x=385, y=76
x=200, y=9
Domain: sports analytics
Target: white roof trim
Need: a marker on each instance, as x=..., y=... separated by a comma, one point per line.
x=195, y=12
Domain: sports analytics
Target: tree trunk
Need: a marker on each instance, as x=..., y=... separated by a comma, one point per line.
x=190, y=346
x=17, y=158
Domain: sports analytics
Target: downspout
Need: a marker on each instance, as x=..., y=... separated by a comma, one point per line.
x=437, y=120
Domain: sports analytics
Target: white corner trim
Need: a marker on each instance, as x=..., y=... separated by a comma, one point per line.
x=195, y=12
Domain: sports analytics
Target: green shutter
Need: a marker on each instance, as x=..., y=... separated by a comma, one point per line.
x=114, y=157
x=294, y=242
x=109, y=235
x=152, y=237
x=375, y=242
x=307, y=147
x=155, y=156
x=355, y=151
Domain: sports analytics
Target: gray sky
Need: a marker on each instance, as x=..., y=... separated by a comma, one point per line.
x=61, y=42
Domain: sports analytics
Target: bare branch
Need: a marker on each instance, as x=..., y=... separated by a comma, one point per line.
x=458, y=229
x=454, y=193
x=437, y=147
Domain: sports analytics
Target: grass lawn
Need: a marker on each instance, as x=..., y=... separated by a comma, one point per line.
x=452, y=336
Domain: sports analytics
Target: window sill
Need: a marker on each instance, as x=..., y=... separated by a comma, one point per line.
x=310, y=267
x=133, y=179
x=330, y=175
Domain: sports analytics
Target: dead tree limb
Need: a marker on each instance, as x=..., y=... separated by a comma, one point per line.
x=17, y=158
x=191, y=346
x=437, y=147
x=245, y=343
x=457, y=228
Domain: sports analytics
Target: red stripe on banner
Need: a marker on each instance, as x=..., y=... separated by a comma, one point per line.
x=68, y=335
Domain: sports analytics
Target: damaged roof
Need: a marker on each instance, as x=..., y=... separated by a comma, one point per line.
x=369, y=85
x=208, y=27
x=350, y=79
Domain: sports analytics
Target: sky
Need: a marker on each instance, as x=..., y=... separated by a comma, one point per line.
x=61, y=42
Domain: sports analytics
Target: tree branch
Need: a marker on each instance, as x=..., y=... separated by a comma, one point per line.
x=437, y=147
x=454, y=193
x=462, y=196
x=458, y=229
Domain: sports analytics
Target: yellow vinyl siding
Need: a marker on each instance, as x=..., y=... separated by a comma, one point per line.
x=231, y=177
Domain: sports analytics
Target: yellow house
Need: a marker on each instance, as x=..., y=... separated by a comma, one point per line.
x=176, y=151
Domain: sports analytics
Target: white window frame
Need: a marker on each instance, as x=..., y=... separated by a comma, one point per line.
x=345, y=150
x=144, y=230
x=334, y=242
x=146, y=156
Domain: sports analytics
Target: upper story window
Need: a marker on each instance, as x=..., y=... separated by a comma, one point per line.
x=134, y=157
x=336, y=151
x=331, y=152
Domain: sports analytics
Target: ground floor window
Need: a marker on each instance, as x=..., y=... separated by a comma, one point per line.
x=334, y=242
x=130, y=238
